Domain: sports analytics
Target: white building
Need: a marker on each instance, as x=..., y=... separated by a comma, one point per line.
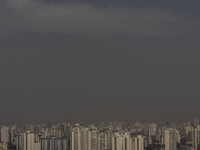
x=104, y=140
x=196, y=138
x=171, y=137
x=92, y=138
x=12, y=135
x=188, y=129
x=121, y=141
x=26, y=141
x=139, y=143
x=152, y=129
x=77, y=137
x=4, y=134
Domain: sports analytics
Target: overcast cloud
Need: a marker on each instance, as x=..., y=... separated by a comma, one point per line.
x=92, y=61
x=86, y=20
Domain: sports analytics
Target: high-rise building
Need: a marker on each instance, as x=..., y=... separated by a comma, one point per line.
x=188, y=129
x=152, y=129
x=20, y=141
x=77, y=135
x=121, y=141
x=170, y=139
x=12, y=135
x=104, y=140
x=139, y=143
x=92, y=138
x=84, y=138
x=29, y=141
x=26, y=141
x=152, y=132
x=196, y=138
x=52, y=143
x=4, y=134
x=163, y=135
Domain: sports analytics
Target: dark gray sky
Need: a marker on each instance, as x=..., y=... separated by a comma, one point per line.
x=92, y=61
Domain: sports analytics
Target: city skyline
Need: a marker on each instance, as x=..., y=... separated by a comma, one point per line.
x=104, y=136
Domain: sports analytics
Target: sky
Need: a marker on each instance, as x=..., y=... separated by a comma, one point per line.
x=95, y=61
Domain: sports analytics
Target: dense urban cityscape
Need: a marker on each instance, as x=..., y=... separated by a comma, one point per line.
x=99, y=75
x=112, y=136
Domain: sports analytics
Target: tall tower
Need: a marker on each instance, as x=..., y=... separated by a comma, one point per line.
x=104, y=139
x=4, y=134
x=76, y=138
x=121, y=141
x=139, y=143
x=170, y=139
x=152, y=129
x=92, y=138
x=79, y=137
x=196, y=138
x=29, y=141
x=152, y=132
